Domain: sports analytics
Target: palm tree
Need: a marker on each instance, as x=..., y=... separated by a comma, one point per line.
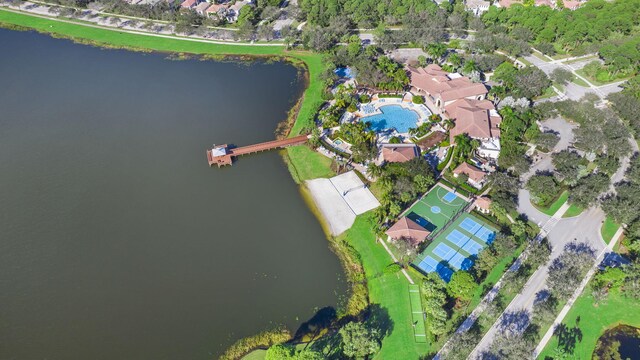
x=374, y=170
x=437, y=51
x=449, y=124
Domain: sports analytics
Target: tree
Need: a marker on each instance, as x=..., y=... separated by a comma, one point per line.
x=543, y=188
x=567, y=270
x=436, y=51
x=544, y=311
x=562, y=76
x=434, y=290
x=280, y=352
x=587, y=190
x=462, y=286
x=358, y=341
x=569, y=165
x=485, y=262
x=547, y=140
x=513, y=347
x=531, y=82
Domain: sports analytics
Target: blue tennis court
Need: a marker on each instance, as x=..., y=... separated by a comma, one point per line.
x=457, y=260
x=429, y=264
x=449, y=197
x=457, y=238
x=485, y=235
x=443, y=251
x=472, y=247
x=470, y=225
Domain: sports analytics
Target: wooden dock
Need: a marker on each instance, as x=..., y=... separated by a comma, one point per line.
x=223, y=155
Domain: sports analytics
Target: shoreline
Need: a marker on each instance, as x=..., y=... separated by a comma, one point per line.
x=300, y=116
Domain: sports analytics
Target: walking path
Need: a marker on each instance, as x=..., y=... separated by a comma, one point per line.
x=42, y=12
x=565, y=310
x=393, y=257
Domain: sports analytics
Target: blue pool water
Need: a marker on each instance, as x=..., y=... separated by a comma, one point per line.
x=393, y=117
x=344, y=72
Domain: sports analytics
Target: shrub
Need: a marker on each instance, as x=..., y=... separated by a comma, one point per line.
x=418, y=99
x=266, y=338
x=364, y=98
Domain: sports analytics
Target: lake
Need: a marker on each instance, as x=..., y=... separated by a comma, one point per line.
x=117, y=241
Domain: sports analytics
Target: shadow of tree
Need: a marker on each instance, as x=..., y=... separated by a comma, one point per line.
x=514, y=322
x=323, y=328
x=568, y=337
x=320, y=321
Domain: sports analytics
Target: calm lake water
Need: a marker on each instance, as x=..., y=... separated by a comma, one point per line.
x=117, y=241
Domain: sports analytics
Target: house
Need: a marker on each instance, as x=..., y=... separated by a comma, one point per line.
x=572, y=4
x=443, y=88
x=477, y=7
x=234, y=10
x=409, y=230
x=475, y=176
x=549, y=3
x=202, y=7
x=477, y=118
x=508, y=3
x=399, y=152
x=483, y=204
x=189, y=4
x=217, y=10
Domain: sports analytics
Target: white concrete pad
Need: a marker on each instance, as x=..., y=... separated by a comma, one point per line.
x=352, y=189
x=331, y=204
x=340, y=199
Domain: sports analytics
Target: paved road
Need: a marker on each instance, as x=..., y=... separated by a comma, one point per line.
x=573, y=91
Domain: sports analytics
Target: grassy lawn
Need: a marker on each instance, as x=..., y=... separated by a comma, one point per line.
x=115, y=38
x=390, y=291
x=305, y=164
x=548, y=93
x=598, y=82
x=608, y=229
x=555, y=205
x=540, y=56
x=572, y=211
x=593, y=319
x=524, y=61
x=580, y=82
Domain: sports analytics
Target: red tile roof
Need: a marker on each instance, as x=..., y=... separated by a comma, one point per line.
x=188, y=3
x=438, y=83
x=473, y=172
x=474, y=117
x=408, y=229
x=483, y=203
x=399, y=153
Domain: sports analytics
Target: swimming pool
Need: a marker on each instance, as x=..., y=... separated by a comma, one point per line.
x=393, y=117
x=344, y=72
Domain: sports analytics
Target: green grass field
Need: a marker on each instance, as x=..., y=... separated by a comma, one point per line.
x=572, y=211
x=423, y=213
x=555, y=206
x=305, y=164
x=387, y=290
x=608, y=229
x=593, y=320
x=417, y=314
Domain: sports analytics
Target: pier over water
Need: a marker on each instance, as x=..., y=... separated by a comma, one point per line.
x=223, y=154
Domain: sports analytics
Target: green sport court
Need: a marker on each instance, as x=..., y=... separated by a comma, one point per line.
x=417, y=315
x=436, y=208
x=457, y=247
